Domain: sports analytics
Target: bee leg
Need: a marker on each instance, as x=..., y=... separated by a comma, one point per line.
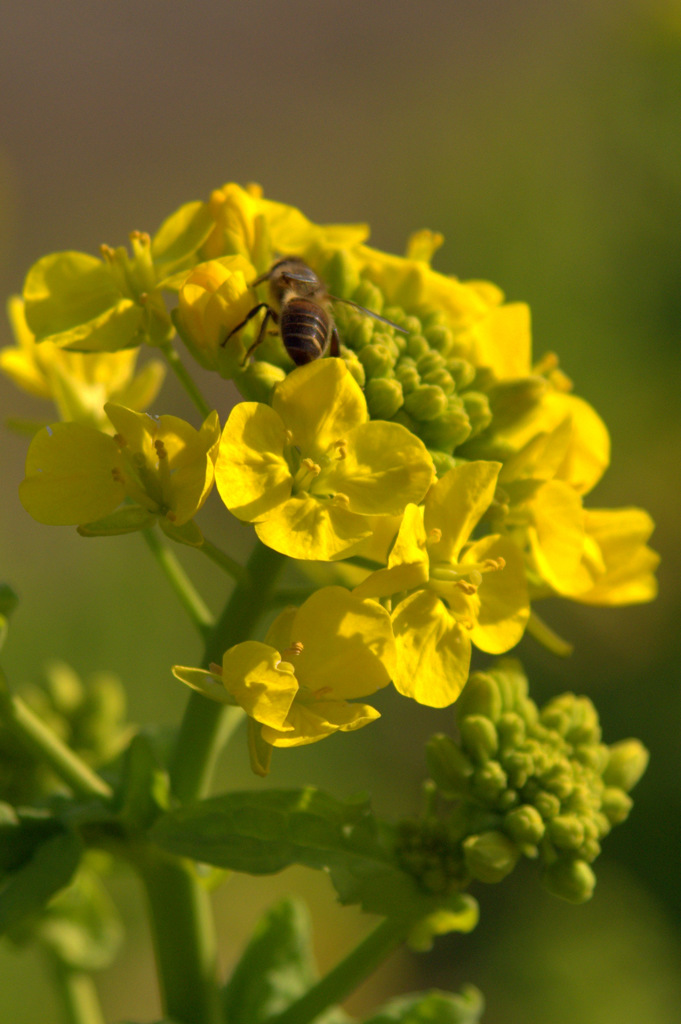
x=256, y=309
x=334, y=347
x=269, y=315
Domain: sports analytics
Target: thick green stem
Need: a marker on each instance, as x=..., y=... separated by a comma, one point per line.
x=47, y=746
x=185, y=378
x=189, y=597
x=184, y=940
x=78, y=994
x=206, y=725
x=230, y=565
x=340, y=982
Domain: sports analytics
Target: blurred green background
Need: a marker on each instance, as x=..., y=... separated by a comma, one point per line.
x=544, y=140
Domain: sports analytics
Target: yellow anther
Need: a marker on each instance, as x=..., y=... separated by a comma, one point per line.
x=106, y=251
x=434, y=535
x=341, y=449
x=120, y=441
x=468, y=588
x=171, y=517
x=117, y=475
x=216, y=201
x=140, y=236
x=547, y=363
x=311, y=467
x=322, y=692
x=341, y=500
x=215, y=669
x=161, y=449
x=493, y=564
x=288, y=437
x=292, y=651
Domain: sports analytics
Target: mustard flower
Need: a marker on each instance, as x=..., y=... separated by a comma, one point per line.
x=456, y=591
x=76, y=475
x=311, y=470
x=79, y=383
x=302, y=684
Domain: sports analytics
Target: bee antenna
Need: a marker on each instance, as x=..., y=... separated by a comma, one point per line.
x=369, y=312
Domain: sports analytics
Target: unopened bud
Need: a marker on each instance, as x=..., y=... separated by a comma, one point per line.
x=384, y=397
x=525, y=825
x=490, y=856
x=447, y=764
x=566, y=831
x=573, y=880
x=616, y=804
x=479, y=737
x=480, y=696
x=628, y=761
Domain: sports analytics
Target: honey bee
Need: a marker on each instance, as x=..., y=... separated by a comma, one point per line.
x=299, y=305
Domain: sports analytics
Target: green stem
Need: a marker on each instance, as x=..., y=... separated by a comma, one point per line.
x=348, y=974
x=79, y=995
x=230, y=566
x=48, y=747
x=185, y=378
x=544, y=635
x=206, y=725
x=184, y=939
x=189, y=597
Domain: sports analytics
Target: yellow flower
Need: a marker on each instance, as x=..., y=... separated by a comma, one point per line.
x=296, y=687
x=214, y=298
x=312, y=470
x=79, y=383
x=458, y=592
x=77, y=475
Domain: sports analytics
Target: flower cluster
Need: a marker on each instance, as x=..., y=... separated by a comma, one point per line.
x=521, y=781
x=437, y=472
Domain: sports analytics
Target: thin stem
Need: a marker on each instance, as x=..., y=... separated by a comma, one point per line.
x=184, y=939
x=79, y=995
x=544, y=635
x=206, y=725
x=185, y=378
x=348, y=974
x=189, y=597
x=230, y=566
x=46, y=745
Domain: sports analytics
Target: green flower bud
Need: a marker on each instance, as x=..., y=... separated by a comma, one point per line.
x=489, y=782
x=439, y=337
x=572, y=880
x=480, y=696
x=258, y=380
x=442, y=461
x=426, y=402
x=616, y=804
x=384, y=397
x=462, y=372
x=490, y=856
x=407, y=374
x=355, y=367
x=525, y=825
x=449, y=429
x=377, y=360
x=547, y=804
x=511, y=729
x=559, y=780
x=368, y=295
x=479, y=737
x=566, y=831
x=447, y=764
x=440, y=378
x=359, y=332
x=627, y=763
x=417, y=346
x=518, y=765
x=478, y=411
x=430, y=362
x=340, y=273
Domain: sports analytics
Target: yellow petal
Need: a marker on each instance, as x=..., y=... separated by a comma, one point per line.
x=320, y=403
x=70, y=475
x=348, y=648
x=408, y=562
x=385, y=467
x=456, y=503
x=251, y=473
x=501, y=604
x=503, y=341
x=625, y=571
x=310, y=722
x=263, y=684
x=433, y=651
x=304, y=527
x=556, y=535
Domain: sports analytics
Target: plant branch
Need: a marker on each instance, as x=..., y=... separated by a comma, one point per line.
x=185, y=378
x=189, y=597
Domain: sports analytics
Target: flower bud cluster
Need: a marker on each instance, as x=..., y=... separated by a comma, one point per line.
x=89, y=716
x=521, y=781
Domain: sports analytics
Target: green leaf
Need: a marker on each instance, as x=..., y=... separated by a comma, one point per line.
x=81, y=924
x=276, y=968
x=22, y=831
x=27, y=890
x=145, y=786
x=432, y=1008
x=262, y=832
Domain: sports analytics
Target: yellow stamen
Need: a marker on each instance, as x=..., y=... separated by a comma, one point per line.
x=292, y=651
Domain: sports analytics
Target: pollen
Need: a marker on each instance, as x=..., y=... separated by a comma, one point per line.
x=161, y=449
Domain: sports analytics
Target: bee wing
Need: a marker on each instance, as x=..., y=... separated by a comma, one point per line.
x=369, y=312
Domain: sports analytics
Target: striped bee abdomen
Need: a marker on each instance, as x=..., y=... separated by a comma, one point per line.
x=305, y=330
